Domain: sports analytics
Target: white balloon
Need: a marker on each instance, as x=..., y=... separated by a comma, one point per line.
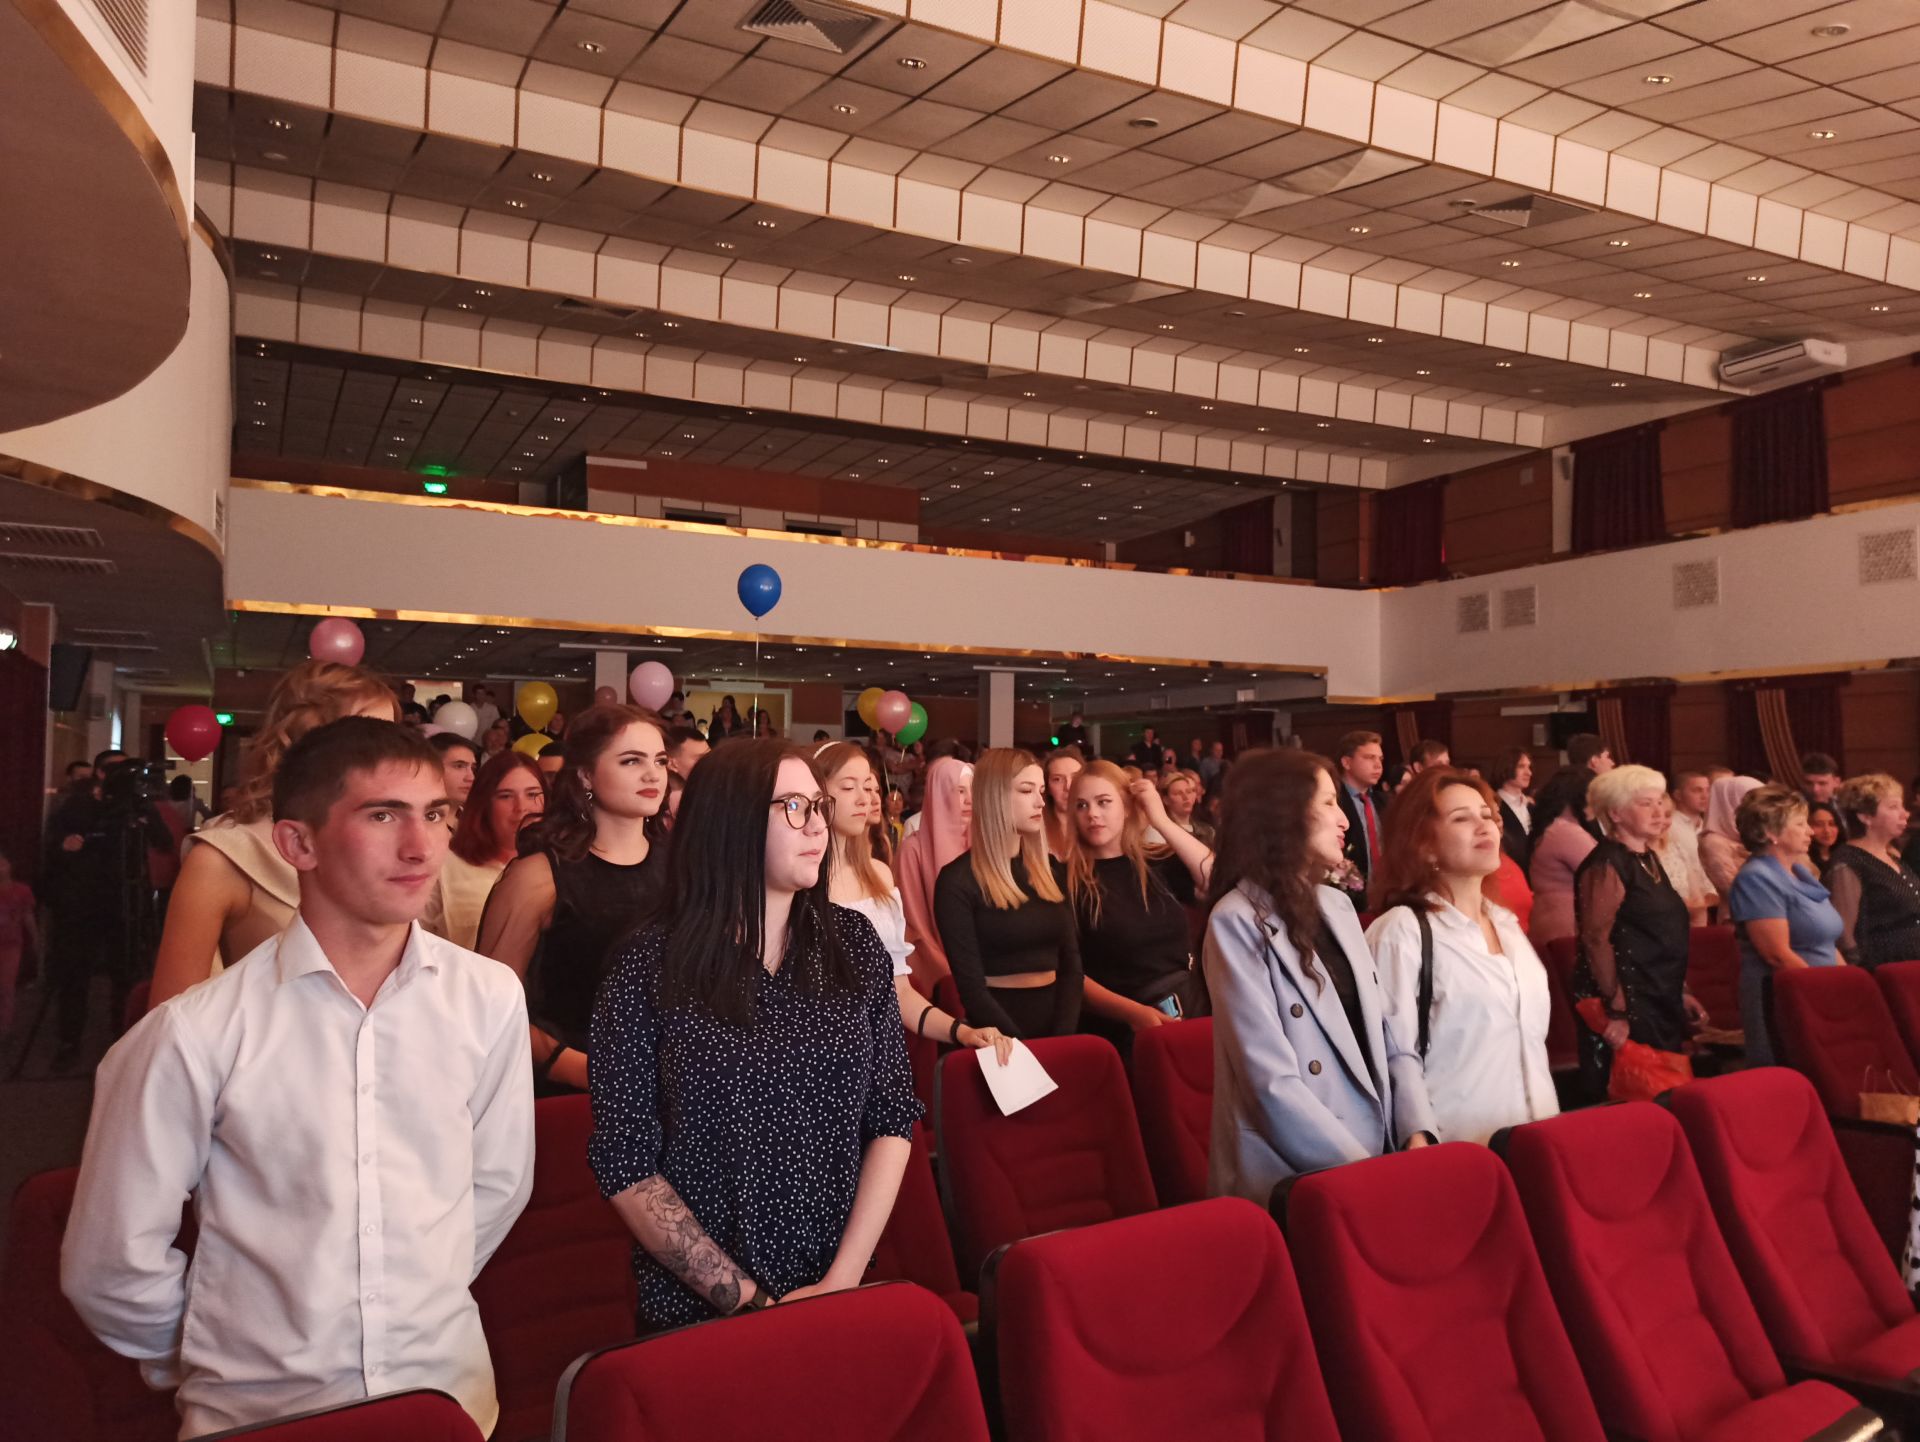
x=459, y=718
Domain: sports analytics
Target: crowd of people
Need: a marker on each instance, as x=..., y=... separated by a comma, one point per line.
x=389, y=945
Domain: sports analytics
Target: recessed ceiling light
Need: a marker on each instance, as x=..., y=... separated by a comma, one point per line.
x=1058, y=159
x=1831, y=32
x=1261, y=429
x=1423, y=373
x=542, y=176
x=1659, y=79
x=1503, y=365
x=688, y=436
x=961, y=260
x=666, y=453
x=259, y=423
x=1143, y=122
x=885, y=461
x=1014, y=509
x=768, y=224
x=1099, y=518
x=1164, y=325
x=671, y=324
x=1206, y=408
x=1028, y=394
x=1323, y=425
x=273, y=155
x=1300, y=350
x=845, y=109
x=516, y=204
x=907, y=278
x=1153, y=413
x=260, y=403
x=529, y=455
x=1877, y=308
x=592, y=47
x=989, y=473
x=1819, y=135
x=912, y=62
x=481, y=290
x=799, y=360
x=1619, y=244
x=1643, y=295
x=1139, y=508
x=1426, y=440
x=953, y=485
x=1617, y=385
x=1376, y=340
x=1086, y=485
x=278, y=124
x=1756, y=279
x=411, y=400
x=462, y=305
x=1510, y=265
x=269, y=255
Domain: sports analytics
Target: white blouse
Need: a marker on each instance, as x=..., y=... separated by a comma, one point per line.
x=889, y=918
x=1486, y=1060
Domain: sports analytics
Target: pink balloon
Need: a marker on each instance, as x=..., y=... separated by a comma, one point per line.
x=605, y=696
x=650, y=685
x=893, y=710
x=336, y=639
x=193, y=731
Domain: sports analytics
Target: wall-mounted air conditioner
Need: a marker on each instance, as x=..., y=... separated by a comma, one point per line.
x=1778, y=362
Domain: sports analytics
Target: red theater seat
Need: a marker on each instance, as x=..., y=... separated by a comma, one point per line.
x=1173, y=1093
x=562, y=1281
x=1832, y=1025
x=58, y=1383
x=877, y=1364
x=1826, y=1291
x=1428, y=1306
x=1899, y=983
x=1176, y=1325
x=1072, y=1158
x=1672, y=1349
x=915, y=1246
x=417, y=1416
x=1713, y=974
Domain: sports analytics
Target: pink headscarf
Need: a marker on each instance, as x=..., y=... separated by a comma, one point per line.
x=1723, y=804
x=941, y=837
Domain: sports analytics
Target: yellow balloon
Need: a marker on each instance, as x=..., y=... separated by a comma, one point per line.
x=532, y=744
x=536, y=703
x=869, y=703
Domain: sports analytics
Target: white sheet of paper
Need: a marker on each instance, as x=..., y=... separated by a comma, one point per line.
x=1020, y=1083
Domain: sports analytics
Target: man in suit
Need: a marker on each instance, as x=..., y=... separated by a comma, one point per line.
x=1362, y=759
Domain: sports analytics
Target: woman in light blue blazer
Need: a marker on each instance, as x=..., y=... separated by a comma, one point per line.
x=1307, y=1072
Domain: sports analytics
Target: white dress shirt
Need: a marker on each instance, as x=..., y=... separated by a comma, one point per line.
x=1520, y=804
x=1487, y=1030
x=1680, y=858
x=352, y=1169
x=889, y=918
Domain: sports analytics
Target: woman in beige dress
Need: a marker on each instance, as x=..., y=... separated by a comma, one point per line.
x=235, y=890
x=509, y=792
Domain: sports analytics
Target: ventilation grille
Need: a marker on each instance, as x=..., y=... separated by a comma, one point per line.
x=1476, y=613
x=810, y=23
x=1888, y=556
x=1696, y=583
x=143, y=673
x=1519, y=606
x=51, y=538
x=59, y=565
x=107, y=639
x=127, y=19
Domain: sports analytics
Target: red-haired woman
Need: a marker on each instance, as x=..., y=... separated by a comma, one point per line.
x=1464, y=987
x=510, y=791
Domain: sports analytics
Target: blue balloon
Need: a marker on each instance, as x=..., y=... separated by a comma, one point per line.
x=759, y=589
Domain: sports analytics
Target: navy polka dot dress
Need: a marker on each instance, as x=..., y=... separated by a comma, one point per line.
x=760, y=1129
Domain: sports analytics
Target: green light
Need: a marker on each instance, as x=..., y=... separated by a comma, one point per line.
x=225, y=718
x=1055, y=740
x=435, y=488
x=435, y=471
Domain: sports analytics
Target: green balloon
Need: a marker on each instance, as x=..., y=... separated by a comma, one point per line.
x=915, y=728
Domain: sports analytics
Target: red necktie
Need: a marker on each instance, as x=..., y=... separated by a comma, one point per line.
x=1373, y=834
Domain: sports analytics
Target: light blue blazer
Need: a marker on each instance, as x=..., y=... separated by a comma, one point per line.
x=1292, y=1091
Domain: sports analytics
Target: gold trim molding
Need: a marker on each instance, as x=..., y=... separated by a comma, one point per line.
x=50, y=478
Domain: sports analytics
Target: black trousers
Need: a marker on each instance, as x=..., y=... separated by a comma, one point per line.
x=83, y=941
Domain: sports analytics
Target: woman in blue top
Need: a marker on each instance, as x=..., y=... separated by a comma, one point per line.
x=1780, y=911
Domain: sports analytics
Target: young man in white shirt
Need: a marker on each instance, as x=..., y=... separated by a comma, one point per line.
x=350, y=1108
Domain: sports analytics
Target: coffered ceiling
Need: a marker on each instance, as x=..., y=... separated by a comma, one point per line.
x=1339, y=242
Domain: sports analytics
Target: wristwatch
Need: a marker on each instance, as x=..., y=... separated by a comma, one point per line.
x=758, y=1302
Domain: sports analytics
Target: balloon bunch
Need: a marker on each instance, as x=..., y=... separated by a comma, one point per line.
x=885, y=710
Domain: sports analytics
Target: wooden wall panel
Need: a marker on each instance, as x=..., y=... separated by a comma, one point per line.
x=813, y=706
x=769, y=490
x=1500, y=516
x=1873, y=434
x=1340, y=532
x=1696, y=471
x=1480, y=733
x=1880, y=723
x=1320, y=728
x=1012, y=543
x=1699, y=720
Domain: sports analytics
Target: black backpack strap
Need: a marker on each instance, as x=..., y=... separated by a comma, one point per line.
x=1426, y=980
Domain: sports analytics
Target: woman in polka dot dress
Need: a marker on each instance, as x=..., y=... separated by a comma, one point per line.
x=751, y=1099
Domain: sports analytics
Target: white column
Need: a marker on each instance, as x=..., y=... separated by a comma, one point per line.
x=996, y=708
x=100, y=707
x=610, y=669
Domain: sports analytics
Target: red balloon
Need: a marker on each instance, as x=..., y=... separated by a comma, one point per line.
x=193, y=731
x=336, y=639
x=893, y=710
x=605, y=696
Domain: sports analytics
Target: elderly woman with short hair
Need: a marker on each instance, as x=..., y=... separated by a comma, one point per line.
x=1781, y=913
x=1876, y=893
x=1632, y=927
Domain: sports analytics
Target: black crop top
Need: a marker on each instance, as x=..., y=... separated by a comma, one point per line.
x=982, y=940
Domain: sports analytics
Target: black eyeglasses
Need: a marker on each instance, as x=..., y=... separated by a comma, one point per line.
x=799, y=810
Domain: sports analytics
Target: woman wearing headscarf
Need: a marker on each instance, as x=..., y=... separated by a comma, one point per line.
x=1721, y=854
x=945, y=823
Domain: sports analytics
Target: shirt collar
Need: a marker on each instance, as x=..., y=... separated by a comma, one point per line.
x=300, y=954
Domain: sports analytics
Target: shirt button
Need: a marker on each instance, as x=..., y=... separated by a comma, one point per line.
x=367, y=1089
x=1313, y=1067
x=371, y=1229
x=1299, y=1010
x=367, y=1158
x=373, y=1296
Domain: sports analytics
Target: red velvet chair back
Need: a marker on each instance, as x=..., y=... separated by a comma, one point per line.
x=1713, y=973
x=416, y=1416
x=1071, y=1159
x=1650, y=1296
x=876, y=1364
x=1899, y=983
x=915, y=1246
x=1563, y=1024
x=1428, y=1303
x=58, y=1382
x=1818, y=1275
x=1832, y=1024
x=561, y=1282
x=1227, y=1352
x=1173, y=1093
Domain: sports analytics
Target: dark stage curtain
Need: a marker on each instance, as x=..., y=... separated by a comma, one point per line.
x=1409, y=544
x=1636, y=722
x=1616, y=490
x=1779, y=457
x=23, y=721
x=1247, y=542
x=1772, y=723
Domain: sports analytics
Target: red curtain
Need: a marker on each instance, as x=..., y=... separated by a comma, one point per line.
x=1616, y=490
x=1409, y=542
x=1636, y=722
x=1247, y=545
x=1779, y=456
x=23, y=761
x=1772, y=723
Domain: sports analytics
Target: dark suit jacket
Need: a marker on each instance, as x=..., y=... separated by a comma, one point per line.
x=1356, y=846
x=1513, y=836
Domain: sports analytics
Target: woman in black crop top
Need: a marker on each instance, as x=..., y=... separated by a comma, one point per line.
x=588, y=873
x=1130, y=903
x=1008, y=932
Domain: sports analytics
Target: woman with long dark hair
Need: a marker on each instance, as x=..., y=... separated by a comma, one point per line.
x=1307, y=1072
x=589, y=871
x=752, y=1106
x=1558, y=844
x=727, y=722
x=1063, y=763
x=510, y=791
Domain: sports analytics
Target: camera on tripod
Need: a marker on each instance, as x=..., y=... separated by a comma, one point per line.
x=132, y=785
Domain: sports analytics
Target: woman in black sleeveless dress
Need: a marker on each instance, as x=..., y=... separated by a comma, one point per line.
x=1632, y=927
x=588, y=873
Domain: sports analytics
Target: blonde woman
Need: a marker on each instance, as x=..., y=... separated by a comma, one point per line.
x=1129, y=901
x=1682, y=867
x=235, y=890
x=1008, y=932
x=861, y=882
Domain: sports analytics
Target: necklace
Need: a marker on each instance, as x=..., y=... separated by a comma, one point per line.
x=1650, y=864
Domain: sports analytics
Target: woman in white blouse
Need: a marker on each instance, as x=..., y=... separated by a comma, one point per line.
x=1482, y=1034
x=859, y=881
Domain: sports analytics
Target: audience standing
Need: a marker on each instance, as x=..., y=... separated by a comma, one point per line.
x=1721, y=854
x=1781, y=913
x=752, y=1107
x=1362, y=800
x=1559, y=845
x=1826, y=831
x=460, y=760
x=1307, y=1072
x=1873, y=888
x=946, y=824
x=1512, y=781
x=509, y=792
x=1062, y=765
x=1682, y=867
x=685, y=747
x=1820, y=777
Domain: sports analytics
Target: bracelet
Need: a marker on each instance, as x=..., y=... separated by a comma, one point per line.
x=758, y=1302
x=920, y=1026
x=541, y=1070
x=953, y=1032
